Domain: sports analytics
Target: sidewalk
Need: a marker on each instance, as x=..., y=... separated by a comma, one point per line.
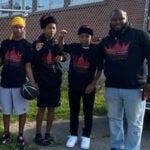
x=99, y=137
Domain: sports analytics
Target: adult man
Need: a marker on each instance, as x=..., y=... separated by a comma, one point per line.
x=124, y=51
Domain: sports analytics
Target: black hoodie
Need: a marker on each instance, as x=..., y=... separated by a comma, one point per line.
x=124, y=53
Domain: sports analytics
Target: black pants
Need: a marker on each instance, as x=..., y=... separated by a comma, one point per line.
x=74, y=103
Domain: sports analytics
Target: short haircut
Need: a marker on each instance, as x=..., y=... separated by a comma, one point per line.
x=118, y=11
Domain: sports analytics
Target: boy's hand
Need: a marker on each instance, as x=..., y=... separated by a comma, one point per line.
x=63, y=33
x=59, y=58
x=96, y=40
x=90, y=88
x=39, y=46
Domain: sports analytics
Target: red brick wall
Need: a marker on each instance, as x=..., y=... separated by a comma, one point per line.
x=70, y=18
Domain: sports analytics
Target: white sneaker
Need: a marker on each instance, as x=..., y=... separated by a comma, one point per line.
x=85, y=142
x=71, y=142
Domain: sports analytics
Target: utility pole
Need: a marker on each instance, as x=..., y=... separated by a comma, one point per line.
x=146, y=10
x=34, y=5
x=67, y=3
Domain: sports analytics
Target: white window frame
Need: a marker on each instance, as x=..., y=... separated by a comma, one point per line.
x=82, y=2
x=51, y=5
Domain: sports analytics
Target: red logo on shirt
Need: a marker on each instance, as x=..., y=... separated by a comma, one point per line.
x=13, y=56
x=80, y=63
x=117, y=50
x=48, y=58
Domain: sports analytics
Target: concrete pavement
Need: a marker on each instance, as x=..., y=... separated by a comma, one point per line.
x=99, y=137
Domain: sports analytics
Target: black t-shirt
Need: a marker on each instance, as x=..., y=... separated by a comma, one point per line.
x=83, y=65
x=124, y=54
x=15, y=54
x=45, y=68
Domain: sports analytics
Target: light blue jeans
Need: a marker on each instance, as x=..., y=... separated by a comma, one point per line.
x=128, y=102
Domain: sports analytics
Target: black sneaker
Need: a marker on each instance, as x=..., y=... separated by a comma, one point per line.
x=5, y=138
x=47, y=140
x=38, y=139
x=49, y=137
x=20, y=142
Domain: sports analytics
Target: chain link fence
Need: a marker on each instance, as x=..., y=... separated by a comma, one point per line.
x=70, y=15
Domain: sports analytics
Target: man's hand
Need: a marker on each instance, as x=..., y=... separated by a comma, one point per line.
x=147, y=90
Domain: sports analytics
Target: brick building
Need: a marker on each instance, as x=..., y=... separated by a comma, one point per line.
x=74, y=13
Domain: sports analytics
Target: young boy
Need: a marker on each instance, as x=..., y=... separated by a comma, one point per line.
x=83, y=76
x=48, y=77
x=15, y=56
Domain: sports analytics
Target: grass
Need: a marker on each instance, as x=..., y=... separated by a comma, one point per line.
x=61, y=112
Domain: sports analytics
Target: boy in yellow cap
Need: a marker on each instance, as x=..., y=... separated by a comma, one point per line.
x=18, y=21
x=15, y=56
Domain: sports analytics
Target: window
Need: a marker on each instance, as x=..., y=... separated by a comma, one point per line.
x=4, y=4
x=49, y=4
x=79, y=2
x=17, y=4
x=28, y=5
x=22, y=4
